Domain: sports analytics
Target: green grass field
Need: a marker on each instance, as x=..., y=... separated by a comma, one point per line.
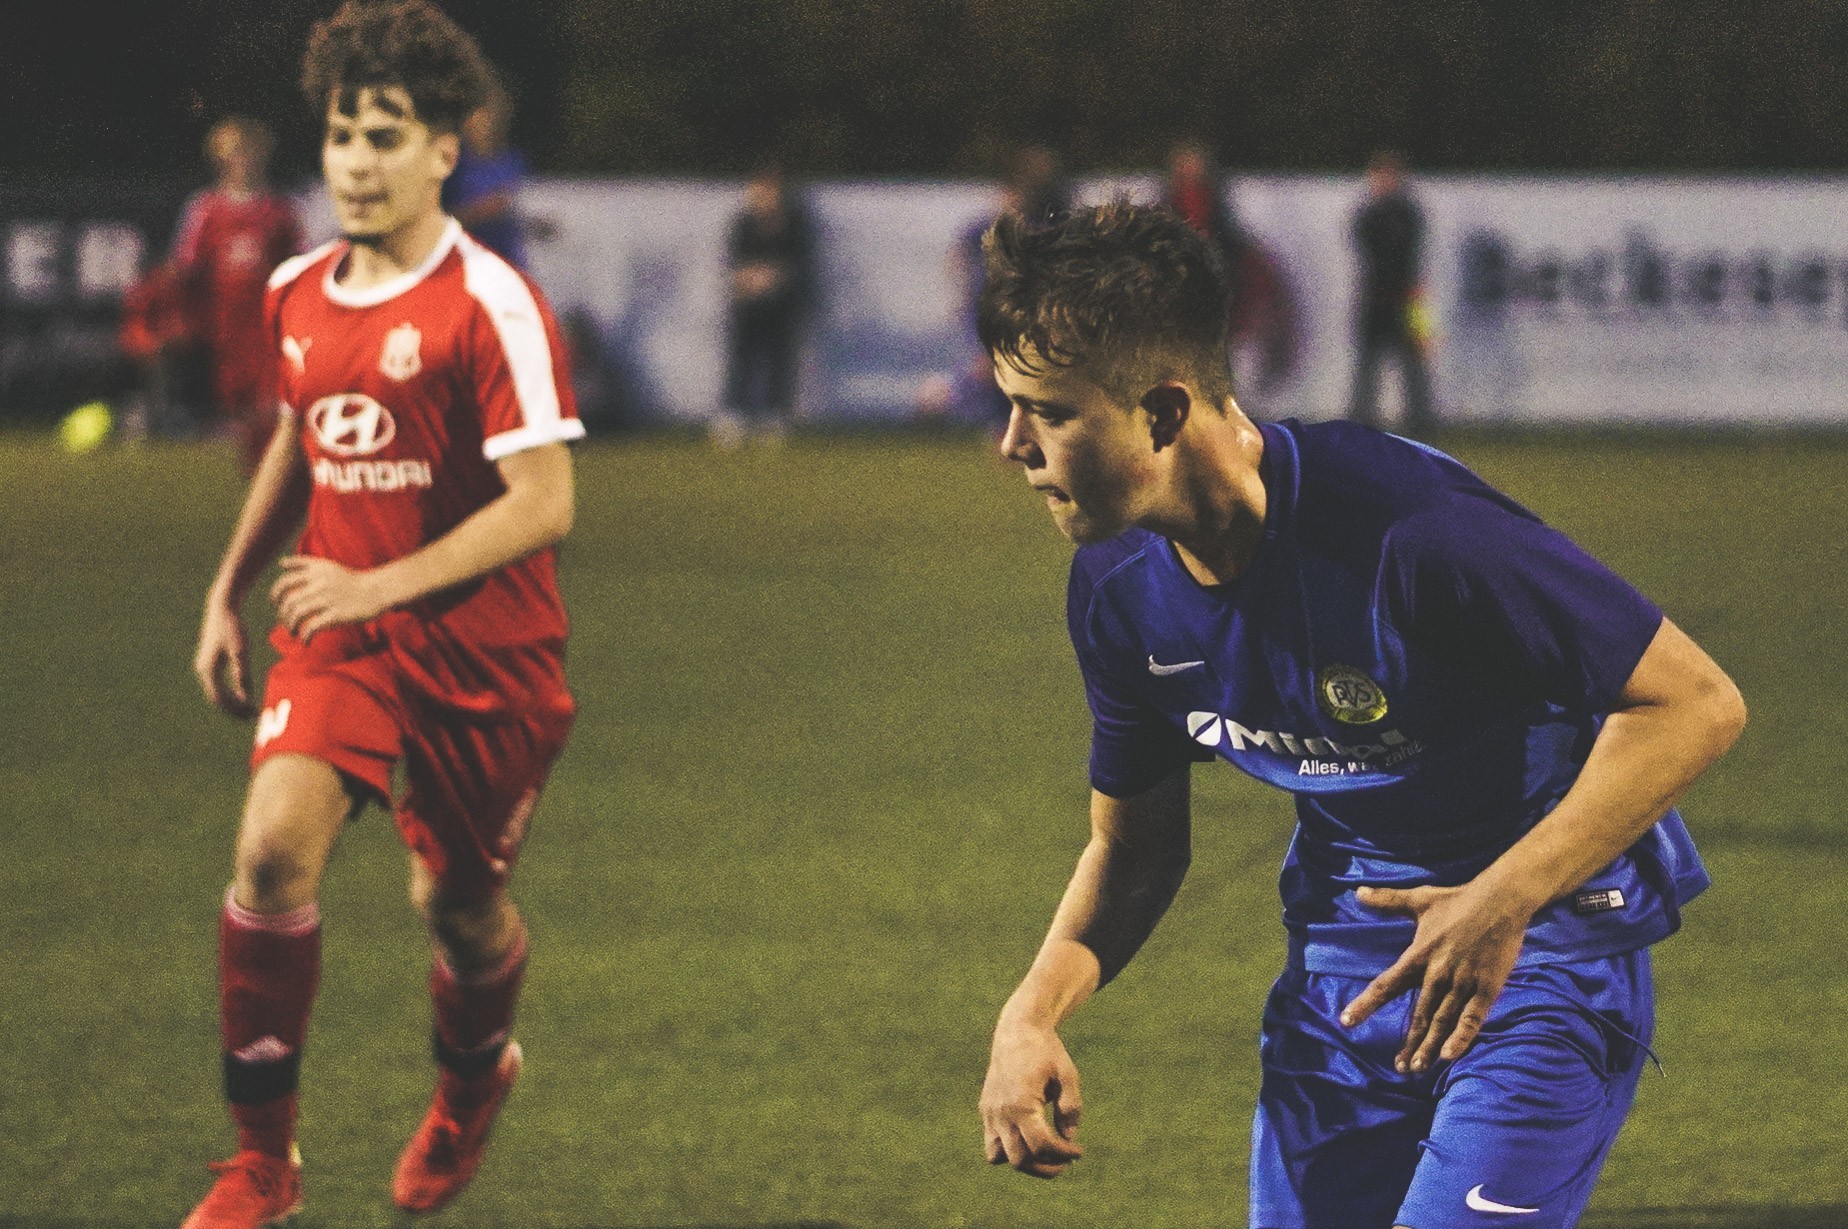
x=826, y=787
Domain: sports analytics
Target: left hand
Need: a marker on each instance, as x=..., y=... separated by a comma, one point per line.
x=1459, y=959
x=314, y=593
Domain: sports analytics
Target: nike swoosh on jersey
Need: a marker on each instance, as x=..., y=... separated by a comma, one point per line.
x=1475, y=1200
x=1156, y=667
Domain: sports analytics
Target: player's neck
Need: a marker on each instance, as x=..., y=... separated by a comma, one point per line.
x=395, y=254
x=1219, y=499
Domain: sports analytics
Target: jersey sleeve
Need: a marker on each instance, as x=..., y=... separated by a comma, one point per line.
x=1517, y=603
x=517, y=363
x=287, y=368
x=1133, y=747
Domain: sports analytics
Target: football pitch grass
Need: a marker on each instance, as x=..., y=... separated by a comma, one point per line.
x=826, y=786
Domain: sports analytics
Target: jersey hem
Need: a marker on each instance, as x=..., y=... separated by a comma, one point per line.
x=1348, y=960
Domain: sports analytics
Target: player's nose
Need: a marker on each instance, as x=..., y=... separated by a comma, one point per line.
x=1017, y=442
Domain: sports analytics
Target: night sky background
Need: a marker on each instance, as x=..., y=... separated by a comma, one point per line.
x=847, y=89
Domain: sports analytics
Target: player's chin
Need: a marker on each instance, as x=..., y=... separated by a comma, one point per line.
x=1080, y=529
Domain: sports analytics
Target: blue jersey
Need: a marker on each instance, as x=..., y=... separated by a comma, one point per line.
x=1416, y=657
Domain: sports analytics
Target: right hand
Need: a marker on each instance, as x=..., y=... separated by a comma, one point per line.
x=222, y=661
x=1029, y=1069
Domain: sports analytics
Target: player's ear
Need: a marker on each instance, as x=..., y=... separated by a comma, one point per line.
x=446, y=148
x=1167, y=404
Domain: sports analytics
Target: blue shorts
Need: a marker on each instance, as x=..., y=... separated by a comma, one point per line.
x=1510, y=1136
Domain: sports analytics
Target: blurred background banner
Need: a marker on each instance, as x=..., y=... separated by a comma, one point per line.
x=1594, y=300
x=1613, y=300
x=1641, y=300
x=70, y=248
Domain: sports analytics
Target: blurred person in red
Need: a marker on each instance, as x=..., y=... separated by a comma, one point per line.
x=159, y=338
x=1263, y=316
x=231, y=235
x=421, y=449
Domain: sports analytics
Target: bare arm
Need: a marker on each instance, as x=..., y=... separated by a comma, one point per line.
x=1126, y=878
x=1678, y=714
x=534, y=511
x=273, y=509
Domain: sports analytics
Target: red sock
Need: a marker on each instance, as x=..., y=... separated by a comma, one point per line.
x=474, y=1012
x=268, y=967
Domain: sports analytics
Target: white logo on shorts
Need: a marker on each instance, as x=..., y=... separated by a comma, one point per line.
x=273, y=722
x=1475, y=1200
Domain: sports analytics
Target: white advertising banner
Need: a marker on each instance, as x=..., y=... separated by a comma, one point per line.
x=1555, y=300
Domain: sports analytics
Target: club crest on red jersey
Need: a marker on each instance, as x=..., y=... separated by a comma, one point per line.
x=402, y=356
x=351, y=424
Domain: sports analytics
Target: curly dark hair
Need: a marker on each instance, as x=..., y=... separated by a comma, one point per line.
x=411, y=44
x=1130, y=291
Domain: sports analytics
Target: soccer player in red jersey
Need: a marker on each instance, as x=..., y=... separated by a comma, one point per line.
x=423, y=440
x=231, y=235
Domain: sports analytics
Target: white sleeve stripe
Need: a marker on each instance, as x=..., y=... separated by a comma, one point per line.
x=509, y=304
x=509, y=442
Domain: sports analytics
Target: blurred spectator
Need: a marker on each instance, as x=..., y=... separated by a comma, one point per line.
x=159, y=338
x=1037, y=178
x=771, y=260
x=1035, y=188
x=231, y=236
x=483, y=192
x=1262, y=326
x=1388, y=237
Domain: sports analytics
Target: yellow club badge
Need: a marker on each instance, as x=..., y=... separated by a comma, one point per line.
x=1348, y=695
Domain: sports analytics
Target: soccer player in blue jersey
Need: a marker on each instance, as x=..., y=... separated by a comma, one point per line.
x=1484, y=730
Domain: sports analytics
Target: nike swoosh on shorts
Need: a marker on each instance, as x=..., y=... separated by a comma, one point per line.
x=1475, y=1200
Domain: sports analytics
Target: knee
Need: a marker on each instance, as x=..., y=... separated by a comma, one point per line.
x=471, y=933
x=273, y=875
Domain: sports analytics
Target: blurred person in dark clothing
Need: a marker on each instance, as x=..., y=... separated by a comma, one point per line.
x=1035, y=189
x=1263, y=315
x=771, y=260
x=231, y=236
x=484, y=191
x=1388, y=235
x=1037, y=181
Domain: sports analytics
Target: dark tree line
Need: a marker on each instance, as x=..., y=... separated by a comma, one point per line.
x=928, y=87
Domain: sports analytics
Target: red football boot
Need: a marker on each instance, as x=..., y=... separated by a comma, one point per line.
x=254, y=1189
x=448, y=1146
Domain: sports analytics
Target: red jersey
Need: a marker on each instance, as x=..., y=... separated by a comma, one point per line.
x=225, y=250
x=406, y=394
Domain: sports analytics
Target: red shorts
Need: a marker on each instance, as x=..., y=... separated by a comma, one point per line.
x=471, y=777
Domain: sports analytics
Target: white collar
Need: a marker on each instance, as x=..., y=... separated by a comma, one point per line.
x=372, y=296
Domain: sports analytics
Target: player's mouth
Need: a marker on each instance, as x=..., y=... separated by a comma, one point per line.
x=1055, y=497
x=361, y=201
